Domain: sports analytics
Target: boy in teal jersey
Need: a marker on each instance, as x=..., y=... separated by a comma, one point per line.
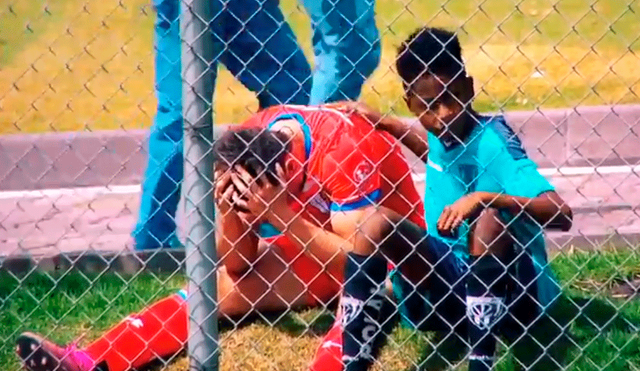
x=484, y=197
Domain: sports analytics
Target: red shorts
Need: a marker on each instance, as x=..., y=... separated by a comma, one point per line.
x=322, y=286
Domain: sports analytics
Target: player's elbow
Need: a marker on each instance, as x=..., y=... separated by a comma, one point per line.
x=236, y=260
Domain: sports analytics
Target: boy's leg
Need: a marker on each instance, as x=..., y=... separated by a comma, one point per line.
x=263, y=53
x=441, y=308
x=490, y=247
x=346, y=46
x=385, y=236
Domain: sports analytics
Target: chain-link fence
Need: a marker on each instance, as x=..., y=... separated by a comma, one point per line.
x=346, y=235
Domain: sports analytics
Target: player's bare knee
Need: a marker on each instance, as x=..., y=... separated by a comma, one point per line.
x=374, y=230
x=490, y=235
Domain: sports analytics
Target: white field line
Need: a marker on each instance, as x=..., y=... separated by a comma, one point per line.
x=573, y=171
x=89, y=192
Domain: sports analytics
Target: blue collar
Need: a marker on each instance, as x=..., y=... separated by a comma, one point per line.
x=305, y=129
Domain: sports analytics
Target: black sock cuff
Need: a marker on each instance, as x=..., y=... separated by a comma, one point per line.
x=372, y=266
x=487, y=274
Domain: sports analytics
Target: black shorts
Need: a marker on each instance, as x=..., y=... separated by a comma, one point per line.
x=444, y=305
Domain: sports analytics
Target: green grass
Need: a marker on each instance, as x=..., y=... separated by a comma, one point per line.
x=71, y=305
x=602, y=331
x=89, y=65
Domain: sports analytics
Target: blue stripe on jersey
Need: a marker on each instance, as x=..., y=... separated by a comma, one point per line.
x=183, y=294
x=367, y=200
x=305, y=128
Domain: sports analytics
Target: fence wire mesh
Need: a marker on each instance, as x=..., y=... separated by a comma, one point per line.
x=345, y=234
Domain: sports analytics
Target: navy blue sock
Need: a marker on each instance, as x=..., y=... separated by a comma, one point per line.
x=486, y=291
x=361, y=305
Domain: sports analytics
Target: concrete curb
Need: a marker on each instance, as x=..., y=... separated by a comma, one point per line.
x=91, y=262
x=560, y=137
x=172, y=260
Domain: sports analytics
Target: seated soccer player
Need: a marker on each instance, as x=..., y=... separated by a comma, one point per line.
x=259, y=273
x=333, y=165
x=484, y=197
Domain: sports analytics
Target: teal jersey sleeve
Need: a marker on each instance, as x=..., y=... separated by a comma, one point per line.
x=503, y=171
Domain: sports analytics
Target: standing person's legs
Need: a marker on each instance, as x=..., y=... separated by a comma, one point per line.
x=156, y=225
x=263, y=53
x=346, y=45
x=161, y=185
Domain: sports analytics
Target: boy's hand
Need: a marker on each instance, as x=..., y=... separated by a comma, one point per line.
x=374, y=117
x=465, y=208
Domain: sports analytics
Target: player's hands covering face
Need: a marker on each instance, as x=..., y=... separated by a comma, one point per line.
x=223, y=190
x=225, y=193
x=258, y=195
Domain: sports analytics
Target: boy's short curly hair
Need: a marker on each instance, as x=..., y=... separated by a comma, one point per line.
x=429, y=50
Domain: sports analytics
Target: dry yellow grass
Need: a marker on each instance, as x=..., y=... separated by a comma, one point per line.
x=262, y=348
x=89, y=66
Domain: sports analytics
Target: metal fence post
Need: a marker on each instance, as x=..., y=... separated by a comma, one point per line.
x=198, y=81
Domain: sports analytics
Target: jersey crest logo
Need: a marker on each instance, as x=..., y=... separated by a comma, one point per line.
x=362, y=172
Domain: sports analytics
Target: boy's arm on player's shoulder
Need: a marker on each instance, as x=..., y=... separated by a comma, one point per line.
x=412, y=136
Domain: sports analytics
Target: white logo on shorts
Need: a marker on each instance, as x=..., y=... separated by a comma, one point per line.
x=485, y=312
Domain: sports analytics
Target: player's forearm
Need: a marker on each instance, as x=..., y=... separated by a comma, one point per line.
x=326, y=247
x=236, y=242
x=548, y=209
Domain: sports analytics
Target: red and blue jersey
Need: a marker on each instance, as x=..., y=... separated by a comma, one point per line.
x=348, y=165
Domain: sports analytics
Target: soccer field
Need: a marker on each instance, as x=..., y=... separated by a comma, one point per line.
x=602, y=330
x=87, y=65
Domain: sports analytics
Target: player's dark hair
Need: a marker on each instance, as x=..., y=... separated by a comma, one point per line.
x=256, y=150
x=429, y=50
